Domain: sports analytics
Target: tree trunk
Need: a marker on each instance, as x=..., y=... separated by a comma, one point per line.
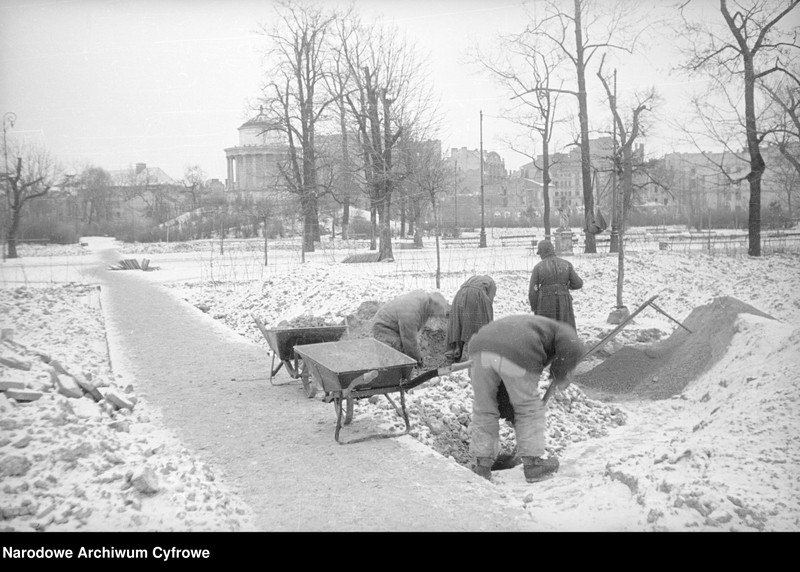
x=385, y=244
x=757, y=164
x=546, y=188
x=438, y=255
x=586, y=168
x=373, y=219
x=11, y=237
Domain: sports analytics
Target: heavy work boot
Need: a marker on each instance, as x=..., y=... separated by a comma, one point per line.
x=536, y=468
x=483, y=467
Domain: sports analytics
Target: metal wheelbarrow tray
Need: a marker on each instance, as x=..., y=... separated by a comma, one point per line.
x=282, y=342
x=355, y=369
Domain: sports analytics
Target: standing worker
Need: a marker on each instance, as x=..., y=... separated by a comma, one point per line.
x=515, y=350
x=471, y=309
x=551, y=281
x=398, y=322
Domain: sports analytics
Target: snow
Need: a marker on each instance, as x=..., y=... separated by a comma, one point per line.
x=722, y=455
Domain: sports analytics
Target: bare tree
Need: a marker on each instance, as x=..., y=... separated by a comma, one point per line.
x=94, y=189
x=389, y=96
x=295, y=99
x=623, y=163
x=737, y=56
x=429, y=178
x=527, y=73
x=786, y=97
x=33, y=174
x=194, y=183
x=593, y=31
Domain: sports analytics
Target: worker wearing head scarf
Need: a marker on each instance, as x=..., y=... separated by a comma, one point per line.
x=551, y=281
x=398, y=322
x=471, y=309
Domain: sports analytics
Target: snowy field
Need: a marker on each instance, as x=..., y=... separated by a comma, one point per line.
x=722, y=455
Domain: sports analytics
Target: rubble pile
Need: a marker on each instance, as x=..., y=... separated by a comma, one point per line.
x=78, y=450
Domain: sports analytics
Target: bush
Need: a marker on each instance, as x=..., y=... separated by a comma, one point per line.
x=53, y=232
x=359, y=225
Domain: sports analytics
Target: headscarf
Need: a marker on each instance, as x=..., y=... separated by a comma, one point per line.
x=485, y=283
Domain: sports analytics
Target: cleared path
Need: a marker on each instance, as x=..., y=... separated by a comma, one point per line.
x=273, y=444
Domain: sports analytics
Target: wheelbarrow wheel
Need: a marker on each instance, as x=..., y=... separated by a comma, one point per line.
x=309, y=386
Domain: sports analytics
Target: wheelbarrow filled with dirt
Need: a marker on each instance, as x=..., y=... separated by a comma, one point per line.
x=354, y=369
x=282, y=342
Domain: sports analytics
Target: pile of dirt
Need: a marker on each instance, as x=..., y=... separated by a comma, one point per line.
x=667, y=367
x=306, y=321
x=359, y=323
x=431, y=339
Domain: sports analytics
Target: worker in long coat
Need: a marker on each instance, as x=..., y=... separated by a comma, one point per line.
x=471, y=309
x=551, y=281
x=398, y=322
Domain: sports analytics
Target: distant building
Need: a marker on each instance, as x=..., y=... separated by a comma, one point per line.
x=143, y=192
x=253, y=165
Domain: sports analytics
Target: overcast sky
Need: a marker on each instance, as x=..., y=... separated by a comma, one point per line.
x=167, y=82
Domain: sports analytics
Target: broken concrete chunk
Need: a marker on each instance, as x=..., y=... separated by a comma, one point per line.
x=9, y=384
x=14, y=465
x=145, y=481
x=66, y=384
x=23, y=442
x=15, y=363
x=88, y=387
x=118, y=400
x=59, y=367
x=23, y=395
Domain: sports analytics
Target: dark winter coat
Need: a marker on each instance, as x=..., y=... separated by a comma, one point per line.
x=471, y=309
x=551, y=281
x=398, y=322
x=531, y=342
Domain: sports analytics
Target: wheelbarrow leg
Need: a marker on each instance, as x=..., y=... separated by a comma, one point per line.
x=274, y=370
x=309, y=384
x=337, y=404
x=348, y=418
x=405, y=413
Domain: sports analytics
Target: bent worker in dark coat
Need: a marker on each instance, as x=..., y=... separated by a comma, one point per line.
x=471, y=309
x=514, y=351
x=398, y=322
x=551, y=281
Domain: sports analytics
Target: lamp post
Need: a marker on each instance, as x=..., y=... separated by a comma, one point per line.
x=455, y=196
x=483, y=225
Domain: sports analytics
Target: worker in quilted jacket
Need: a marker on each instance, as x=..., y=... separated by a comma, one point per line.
x=515, y=350
x=551, y=281
x=398, y=322
x=471, y=309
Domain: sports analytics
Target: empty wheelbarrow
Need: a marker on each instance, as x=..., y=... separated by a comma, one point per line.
x=354, y=369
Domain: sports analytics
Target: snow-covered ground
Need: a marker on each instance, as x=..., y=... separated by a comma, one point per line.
x=722, y=455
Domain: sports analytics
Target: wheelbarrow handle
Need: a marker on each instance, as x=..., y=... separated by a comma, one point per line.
x=454, y=367
x=431, y=373
x=360, y=380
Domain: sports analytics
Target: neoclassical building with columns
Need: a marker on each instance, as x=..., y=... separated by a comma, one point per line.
x=253, y=164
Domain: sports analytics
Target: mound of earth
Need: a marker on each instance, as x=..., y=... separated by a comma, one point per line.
x=431, y=339
x=306, y=321
x=667, y=367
